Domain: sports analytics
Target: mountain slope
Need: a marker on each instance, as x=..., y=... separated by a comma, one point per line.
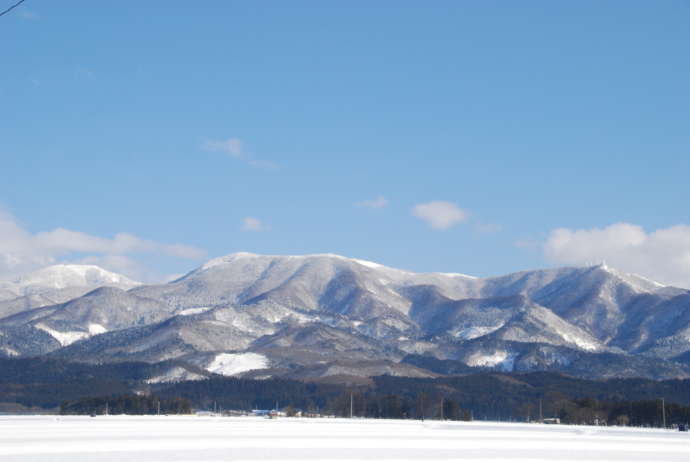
x=56, y=284
x=307, y=313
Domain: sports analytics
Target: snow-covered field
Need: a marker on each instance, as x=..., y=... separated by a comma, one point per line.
x=174, y=439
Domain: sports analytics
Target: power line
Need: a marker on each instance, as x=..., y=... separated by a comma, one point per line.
x=12, y=7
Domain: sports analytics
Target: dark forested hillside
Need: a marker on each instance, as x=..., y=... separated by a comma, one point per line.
x=43, y=383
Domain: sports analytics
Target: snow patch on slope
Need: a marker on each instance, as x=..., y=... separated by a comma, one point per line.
x=176, y=374
x=10, y=351
x=368, y=264
x=469, y=333
x=458, y=275
x=191, y=311
x=95, y=329
x=236, y=363
x=504, y=360
x=64, y=338
x=580, y=342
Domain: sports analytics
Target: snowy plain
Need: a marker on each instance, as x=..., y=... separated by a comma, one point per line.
x=192, y=438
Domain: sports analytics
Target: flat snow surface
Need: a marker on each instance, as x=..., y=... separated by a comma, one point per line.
x=191, y=438
x=236, y=363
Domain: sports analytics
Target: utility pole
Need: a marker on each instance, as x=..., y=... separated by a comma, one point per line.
x=663, y=412
x=351, y=406
x=441, y=407
x=158, y=410
x=541, y=415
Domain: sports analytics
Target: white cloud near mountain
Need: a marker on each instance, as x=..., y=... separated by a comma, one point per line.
x=440, y=215
x=234, y=147
x=663, y=255
x=376, y=203
x=22, y=250
x=253, y=224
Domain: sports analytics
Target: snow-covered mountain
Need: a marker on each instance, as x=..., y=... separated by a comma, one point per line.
x=64, y=276
x=318, y=314
x=56, y=284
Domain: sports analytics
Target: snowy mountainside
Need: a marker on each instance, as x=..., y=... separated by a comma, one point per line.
x=308, y=313
x=56, y=284
x=63, y=276
x=97, y=312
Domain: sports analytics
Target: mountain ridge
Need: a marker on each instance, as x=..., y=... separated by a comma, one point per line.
x=56, y=284
x=277, y=307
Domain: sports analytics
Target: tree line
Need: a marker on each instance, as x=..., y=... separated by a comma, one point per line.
x=393, y=406
x=126, y=404
x=46, y=383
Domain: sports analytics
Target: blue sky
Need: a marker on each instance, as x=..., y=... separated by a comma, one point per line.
x=542, y=133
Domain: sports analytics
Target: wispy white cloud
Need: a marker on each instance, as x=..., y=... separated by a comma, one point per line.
x=253, y=224
x=440, y=215
x=231, y=146
x=663, y=255
x=234, y=147
x=21, y=250
x=377, y=203
x=62, y=240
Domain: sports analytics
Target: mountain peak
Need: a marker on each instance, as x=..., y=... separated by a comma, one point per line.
x=227, y=259
x=61, y=276
x=234, y=257
x=638, y=282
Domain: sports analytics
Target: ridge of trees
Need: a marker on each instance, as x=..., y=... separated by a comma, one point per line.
x=47, y=383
